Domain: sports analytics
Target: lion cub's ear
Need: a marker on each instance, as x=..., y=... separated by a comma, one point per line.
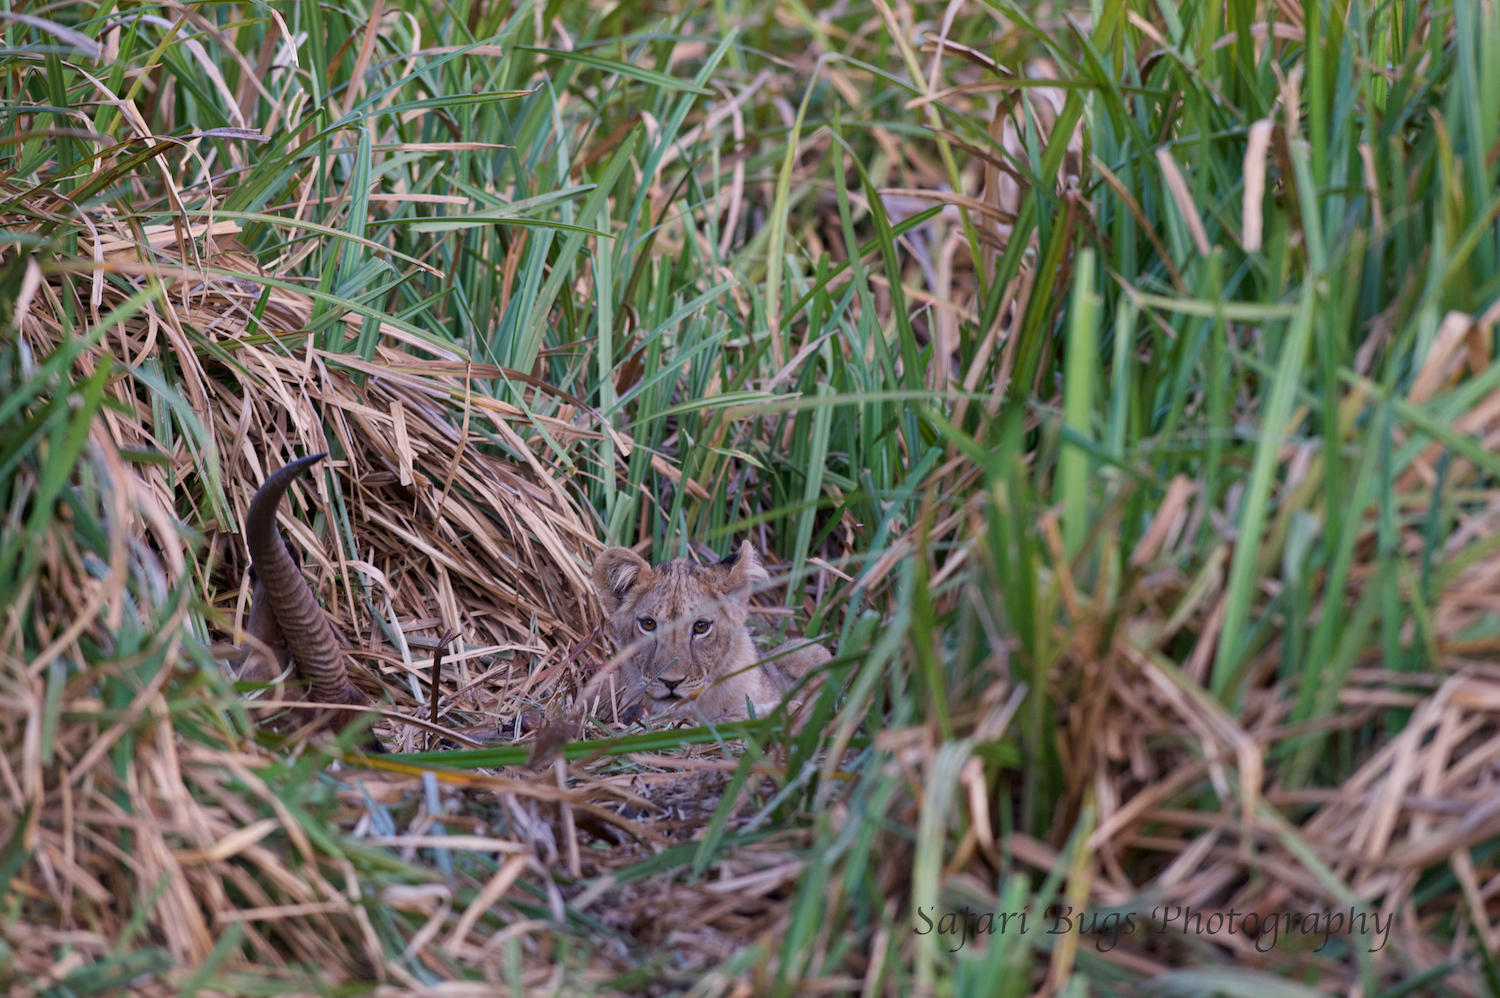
x=744, y=572
x=616, y=572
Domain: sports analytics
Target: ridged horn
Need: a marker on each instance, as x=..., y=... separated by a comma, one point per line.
x=319, y=658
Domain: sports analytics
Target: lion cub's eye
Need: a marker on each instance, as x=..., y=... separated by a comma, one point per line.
x=647, y=624
x=701, y=627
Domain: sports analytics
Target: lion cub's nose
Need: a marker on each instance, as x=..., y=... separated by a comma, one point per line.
x=671, y=685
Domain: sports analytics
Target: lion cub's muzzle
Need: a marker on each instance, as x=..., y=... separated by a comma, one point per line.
x=662, y=689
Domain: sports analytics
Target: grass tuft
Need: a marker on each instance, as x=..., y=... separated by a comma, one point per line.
x=1113, y=386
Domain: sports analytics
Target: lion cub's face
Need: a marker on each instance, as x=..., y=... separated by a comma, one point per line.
x=689, y=618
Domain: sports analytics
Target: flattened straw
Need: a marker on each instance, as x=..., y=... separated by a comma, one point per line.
x=1291, y=100
x=404, y=455
x=972, y=778
x=463, y=438
x=737, y=182
x=1130, y=201
x=1203, y=652
x=230, y=845
x=570, y=828
x=486, y=899
x=878, y=949
x=434, y=924
x=31, y=283
x=132, y=715
x=279, y=911
x=1441, y=356
x=1178, y=493
x=1177, y=184
x=1252, y=216
x=1463, y=870
x=362, y=63
x=469, y=843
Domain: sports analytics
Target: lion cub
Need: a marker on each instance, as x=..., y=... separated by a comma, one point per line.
x=697, y=659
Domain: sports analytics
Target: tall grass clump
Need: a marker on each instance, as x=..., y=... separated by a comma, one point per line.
x=1111, y=385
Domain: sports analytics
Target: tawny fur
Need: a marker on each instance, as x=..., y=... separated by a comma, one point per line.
x=717, y=675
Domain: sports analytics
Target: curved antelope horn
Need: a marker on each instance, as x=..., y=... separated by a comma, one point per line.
x=320, y=660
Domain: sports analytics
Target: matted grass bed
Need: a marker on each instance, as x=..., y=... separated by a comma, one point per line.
x=1111, y=386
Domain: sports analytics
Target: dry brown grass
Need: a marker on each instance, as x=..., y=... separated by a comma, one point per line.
x=452, y=540
x=160, y=843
